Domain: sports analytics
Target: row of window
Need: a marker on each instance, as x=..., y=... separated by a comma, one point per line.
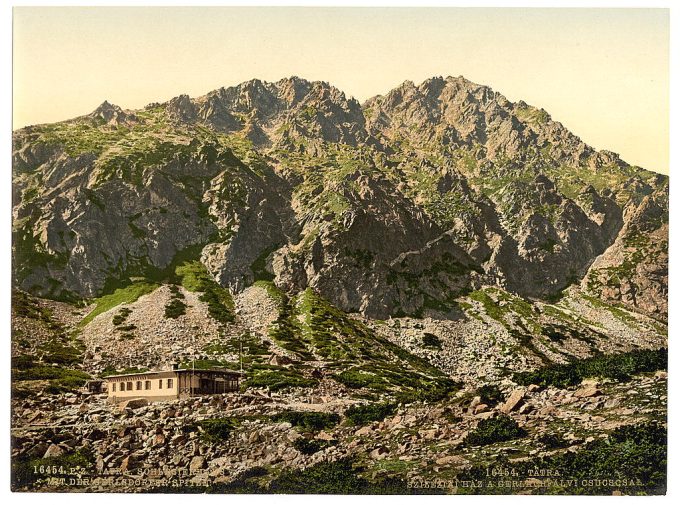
x=128, y=386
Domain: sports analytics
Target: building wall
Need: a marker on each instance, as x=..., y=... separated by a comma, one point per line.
x=150, y=387
x=205, y=382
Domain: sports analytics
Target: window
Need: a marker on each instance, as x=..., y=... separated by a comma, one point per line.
x=122, y=386
x=147, y=384
x=169, y=383
x=113, y=387
x=129, y=386
x=160, y=383
x=139, y=385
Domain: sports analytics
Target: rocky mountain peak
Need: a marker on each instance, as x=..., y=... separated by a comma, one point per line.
x=454, y=112
x=110, y=114
x=293, y=89
x=433, y=86
x=181, y=108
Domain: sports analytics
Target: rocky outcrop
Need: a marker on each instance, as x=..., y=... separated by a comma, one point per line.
x=111, y=115
x=367, y=259
x=634, y=270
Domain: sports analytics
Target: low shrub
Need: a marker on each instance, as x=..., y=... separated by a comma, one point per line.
x=175, y=308
x=359, y=415
x=493, y=430
x=614, y=366
x=48, y=372
x=218, y=429
x=59, y=353
x=339, y=477
x=430, y=393
x=207, y=364
x=309, y=447
x=127, y=327
x=307, y=421
x=552, y=441
x=21, y=393
x=432, y=341
x=357, y=379
x=109, y=370
x=217, y=308
x=247, y=482
x=636, y=454
x=23, y=362
x=490, y=394
x=278, y=379
x=121, y=316
x=195, y=278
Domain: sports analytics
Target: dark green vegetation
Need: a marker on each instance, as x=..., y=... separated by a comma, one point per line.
x=58, y=348
x=495, y=429
x=54, y=357
x=121, y=316
x=431, y=341
x=259, y=269
x=207, y=364
x=337, y=477
x=25, y=306
x=217, y=430
x=189, y=273
x=276, y=377
x=490, y=394
x=176, y=306
x=254, y=348
x=360, y=359
x=552, y=441
x=254, y=352
x=310, y=446
x=127, y=294
x=636, y=454
x=112, y=371
x=60, y=379
x=614, y=366
x=194, y=277
x=359, y=415
x=307, y=421
x=286, y=331
x=124, y=329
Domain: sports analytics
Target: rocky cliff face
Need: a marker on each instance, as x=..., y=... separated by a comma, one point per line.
x=393, y=207
x=634, y=270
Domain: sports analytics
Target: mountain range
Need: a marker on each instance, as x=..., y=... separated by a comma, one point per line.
x=393, y=207
x=435, y=286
